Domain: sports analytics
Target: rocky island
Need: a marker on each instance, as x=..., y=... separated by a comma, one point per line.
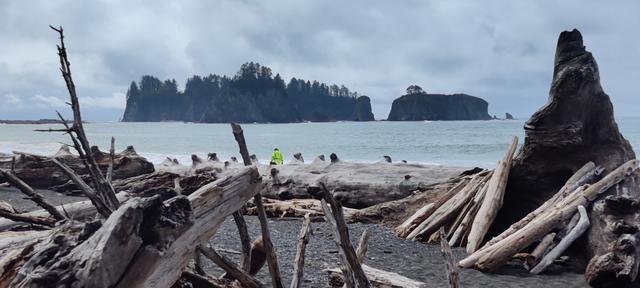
x=252, y=95
x=418, y=105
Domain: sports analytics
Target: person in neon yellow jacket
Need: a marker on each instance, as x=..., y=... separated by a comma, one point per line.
x=276, y=157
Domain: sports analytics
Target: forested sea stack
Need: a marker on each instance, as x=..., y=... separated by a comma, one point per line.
x=418, y=105
x=252, y=95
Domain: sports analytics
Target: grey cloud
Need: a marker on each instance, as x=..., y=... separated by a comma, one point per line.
x=499, y=50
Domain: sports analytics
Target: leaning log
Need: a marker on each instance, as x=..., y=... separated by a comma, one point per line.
x=492, y=201
x=379, y=278
x=303, y=240
x=581, y=227
x=350, y=264
x=153, y=266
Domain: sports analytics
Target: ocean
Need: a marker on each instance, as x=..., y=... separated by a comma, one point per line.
x=454, y=143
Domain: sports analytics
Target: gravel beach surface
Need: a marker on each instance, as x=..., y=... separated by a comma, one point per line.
x=415, y=260
x=20, y=201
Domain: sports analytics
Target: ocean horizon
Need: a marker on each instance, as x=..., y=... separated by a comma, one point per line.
x=450, y=143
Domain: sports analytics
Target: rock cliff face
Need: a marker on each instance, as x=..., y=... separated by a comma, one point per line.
x=574, y=127
x=362, y=110
x=423, y=106
x=252, y=95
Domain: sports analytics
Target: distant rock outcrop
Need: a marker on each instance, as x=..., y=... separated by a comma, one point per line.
x=252, y=95
x=362, y=110
x=508, y=116
x=418, y=105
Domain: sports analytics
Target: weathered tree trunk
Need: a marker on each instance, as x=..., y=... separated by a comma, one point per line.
x=153, y=267
x=303, y=239
x=577, y=126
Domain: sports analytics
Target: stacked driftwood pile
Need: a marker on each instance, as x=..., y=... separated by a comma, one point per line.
x=466, y=211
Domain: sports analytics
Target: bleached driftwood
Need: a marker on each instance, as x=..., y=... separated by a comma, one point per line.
x=577, y=231
x=351, y=266
x=272, y=259
x=541, y=249
x=422, y=214
x=586, y=174
x=462, y=230
x=303, y=239
x=492, y=201
x=448, y=209
x=361, y=249
x=379, y=278
x=496, y=255
x=155, y=267
x=293, y=208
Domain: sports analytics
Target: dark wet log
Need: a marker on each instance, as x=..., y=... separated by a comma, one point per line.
x=40, y=172
x=35, y=197
x=112, y=156
x=303, y=239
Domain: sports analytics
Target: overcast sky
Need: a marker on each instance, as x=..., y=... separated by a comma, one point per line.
x=501, y=51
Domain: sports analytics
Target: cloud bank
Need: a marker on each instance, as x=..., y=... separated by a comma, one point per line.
x=501, y=51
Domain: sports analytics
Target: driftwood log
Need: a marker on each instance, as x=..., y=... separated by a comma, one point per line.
x=41, y=173
x=303, y=240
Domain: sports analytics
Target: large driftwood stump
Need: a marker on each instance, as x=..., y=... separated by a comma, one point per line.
x=577, y=126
